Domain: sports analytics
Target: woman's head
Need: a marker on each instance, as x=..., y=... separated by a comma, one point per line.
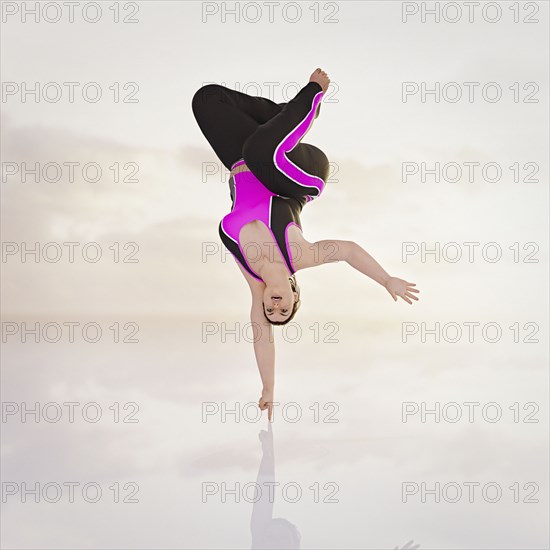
x=281, y=301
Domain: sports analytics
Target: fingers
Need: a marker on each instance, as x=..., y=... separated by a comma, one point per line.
x=404, y=290
x=405, y=296
x=263, y=405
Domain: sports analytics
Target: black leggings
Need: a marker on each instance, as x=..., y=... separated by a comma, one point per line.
x=266, y=135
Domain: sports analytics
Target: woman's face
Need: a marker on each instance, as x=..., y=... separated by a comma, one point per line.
x=279, y=301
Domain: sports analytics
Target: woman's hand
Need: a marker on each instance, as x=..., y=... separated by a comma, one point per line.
x=266, y=402
x=398, y=287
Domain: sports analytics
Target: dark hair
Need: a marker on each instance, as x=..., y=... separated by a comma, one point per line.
x=295, y=306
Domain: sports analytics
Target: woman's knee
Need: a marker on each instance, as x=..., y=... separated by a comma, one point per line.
x=205, y=95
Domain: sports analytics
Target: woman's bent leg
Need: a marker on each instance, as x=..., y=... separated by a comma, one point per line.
x=266, y=150
x=227, y=118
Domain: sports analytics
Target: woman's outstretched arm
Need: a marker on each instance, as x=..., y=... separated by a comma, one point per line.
x=361, y=260
x=334, y=250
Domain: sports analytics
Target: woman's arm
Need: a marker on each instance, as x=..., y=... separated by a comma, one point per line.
x=264, y=349
x=264, y=345
x=361, y=260
x=334, y=250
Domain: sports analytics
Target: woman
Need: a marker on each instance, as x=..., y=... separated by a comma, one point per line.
x=273, y=175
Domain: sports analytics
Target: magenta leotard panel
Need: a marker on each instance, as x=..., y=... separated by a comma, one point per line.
x=253, y=201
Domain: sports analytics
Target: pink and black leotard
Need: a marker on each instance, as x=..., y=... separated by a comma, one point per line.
x=253, y=201
x=284, y=174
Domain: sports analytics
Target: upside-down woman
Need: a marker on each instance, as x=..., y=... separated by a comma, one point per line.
x=273, y=176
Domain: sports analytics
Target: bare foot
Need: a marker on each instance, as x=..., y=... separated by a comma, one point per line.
x=321, y=78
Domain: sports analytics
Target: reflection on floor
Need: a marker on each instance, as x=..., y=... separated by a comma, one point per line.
x=167, y=432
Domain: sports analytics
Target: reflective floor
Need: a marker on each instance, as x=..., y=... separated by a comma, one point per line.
x=371, y=446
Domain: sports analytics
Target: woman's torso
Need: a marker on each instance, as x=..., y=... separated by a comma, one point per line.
x=262, y=226
x=260, y=245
